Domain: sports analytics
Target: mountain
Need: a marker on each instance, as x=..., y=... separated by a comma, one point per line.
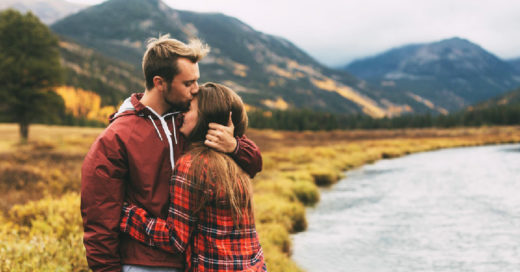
x=267, y=71
x=511, y=98
x=87, y=69
x=501, y=110
x=515, y=63
x=48, y=11
x=447, y=75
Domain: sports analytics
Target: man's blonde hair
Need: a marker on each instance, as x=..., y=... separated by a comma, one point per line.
x=160, y=58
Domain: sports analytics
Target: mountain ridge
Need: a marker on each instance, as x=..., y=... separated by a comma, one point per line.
x=452, y=72
x=270, y=71
x=87, y=69
x=515, y=63
x=262, y=67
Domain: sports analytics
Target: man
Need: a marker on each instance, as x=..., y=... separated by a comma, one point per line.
x=134, y=157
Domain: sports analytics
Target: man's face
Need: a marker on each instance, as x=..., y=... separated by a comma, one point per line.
x=190, y=118
x=183, y=86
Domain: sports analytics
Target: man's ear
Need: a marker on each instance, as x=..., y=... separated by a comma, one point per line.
x=158, y=83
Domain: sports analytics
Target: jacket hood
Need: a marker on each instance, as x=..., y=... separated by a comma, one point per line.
x=131, y=105
x=126, y=106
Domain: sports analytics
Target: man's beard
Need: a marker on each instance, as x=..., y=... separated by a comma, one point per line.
x=179, y=105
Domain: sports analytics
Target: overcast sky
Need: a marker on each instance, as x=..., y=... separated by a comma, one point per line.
x=336, y=32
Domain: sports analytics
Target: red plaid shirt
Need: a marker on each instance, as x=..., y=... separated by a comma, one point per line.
x=208, y=237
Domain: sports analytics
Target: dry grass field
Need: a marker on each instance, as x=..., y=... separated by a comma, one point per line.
x=40, y=223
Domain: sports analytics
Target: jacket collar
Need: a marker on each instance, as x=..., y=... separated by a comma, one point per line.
x=133, y=106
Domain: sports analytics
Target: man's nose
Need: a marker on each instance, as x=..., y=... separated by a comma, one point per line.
x=195, y=88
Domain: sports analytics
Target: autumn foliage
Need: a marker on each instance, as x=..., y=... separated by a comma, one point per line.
x=84, y=104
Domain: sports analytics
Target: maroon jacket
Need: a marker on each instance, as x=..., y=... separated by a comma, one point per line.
x=132, y=160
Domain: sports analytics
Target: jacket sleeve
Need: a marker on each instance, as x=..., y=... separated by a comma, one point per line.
x=102, y=192
x=172, y=234
x=247, y=156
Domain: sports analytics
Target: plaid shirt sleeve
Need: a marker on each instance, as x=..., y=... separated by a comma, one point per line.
x=145, y=228
x=173, y=233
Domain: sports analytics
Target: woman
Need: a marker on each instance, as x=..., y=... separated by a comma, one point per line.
x=210, y=217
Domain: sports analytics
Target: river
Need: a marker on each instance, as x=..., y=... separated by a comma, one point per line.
x=448, y=210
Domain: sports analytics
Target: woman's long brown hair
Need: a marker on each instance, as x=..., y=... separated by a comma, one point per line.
x=228, y=180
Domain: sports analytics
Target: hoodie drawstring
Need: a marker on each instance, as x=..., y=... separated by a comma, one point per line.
x=174, y=132
x=156, y=129
x=169, y=137
x=167, y=133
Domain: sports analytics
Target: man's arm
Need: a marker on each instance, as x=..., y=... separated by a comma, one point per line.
x=243, y=151
x=102, y=195
x=247, y=156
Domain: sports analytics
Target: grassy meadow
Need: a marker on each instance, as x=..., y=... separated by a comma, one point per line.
x=40, y=222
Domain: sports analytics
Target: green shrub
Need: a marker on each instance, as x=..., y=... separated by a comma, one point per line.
x=278, y=261
x=322, y=178
x=306, y=192
x=274, y=234
x=276, y=185
x=44, y=235
x=18, y=177
x=271, y=208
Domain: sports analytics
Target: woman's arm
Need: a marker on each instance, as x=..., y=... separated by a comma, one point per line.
x=173, y=233
x=146, y=229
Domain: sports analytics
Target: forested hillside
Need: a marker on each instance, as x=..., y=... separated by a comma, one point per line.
x=269, y=72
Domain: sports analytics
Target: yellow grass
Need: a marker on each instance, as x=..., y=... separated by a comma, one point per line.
x=42, y=232
x=63, y=138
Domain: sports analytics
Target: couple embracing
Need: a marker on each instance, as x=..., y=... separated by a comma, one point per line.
x=167, y=185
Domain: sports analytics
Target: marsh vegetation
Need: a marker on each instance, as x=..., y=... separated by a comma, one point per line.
x=40, y=221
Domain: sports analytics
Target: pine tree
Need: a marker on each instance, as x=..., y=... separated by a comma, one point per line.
x=29, y=69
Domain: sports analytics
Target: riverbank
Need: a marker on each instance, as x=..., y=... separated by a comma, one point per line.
x=43, y=232
x=295, y=164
